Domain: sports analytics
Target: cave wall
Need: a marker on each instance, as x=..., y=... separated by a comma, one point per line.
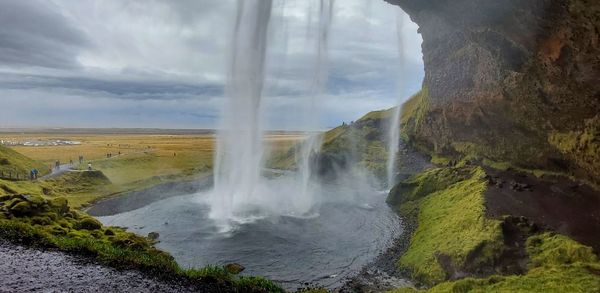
x=513, y=81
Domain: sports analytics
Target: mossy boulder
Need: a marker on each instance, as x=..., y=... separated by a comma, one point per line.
x=88, y=223
x=60, y=205
x=22, y=208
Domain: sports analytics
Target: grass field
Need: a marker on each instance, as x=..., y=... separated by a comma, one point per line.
x=138, y=160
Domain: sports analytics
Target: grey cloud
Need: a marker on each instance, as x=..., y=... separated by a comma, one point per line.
x=124, y=89
x=34, y=33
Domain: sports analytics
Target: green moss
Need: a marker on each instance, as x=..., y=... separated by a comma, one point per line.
x=440, y=160
x=553, y=249
x=558, y=264
x=412, y=113
x=88, y=223
x=425, y=183
x=582, y=146
x=451, y=223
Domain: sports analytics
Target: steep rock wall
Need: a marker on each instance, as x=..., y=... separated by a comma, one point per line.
x=515, y=81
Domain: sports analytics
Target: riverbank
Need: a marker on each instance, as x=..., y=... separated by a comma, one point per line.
x=52, y=224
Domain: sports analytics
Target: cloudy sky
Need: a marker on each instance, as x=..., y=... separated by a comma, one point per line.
x=163, y=63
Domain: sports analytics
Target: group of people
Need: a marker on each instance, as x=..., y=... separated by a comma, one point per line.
x=33, y=174
x=109, y=155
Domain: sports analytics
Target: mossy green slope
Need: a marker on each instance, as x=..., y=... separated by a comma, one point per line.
x=79, y=187
x=454, y=235
x=361, y=142
x=451, y=224
x=33, y=220
x=558, y=264
x=12, y=161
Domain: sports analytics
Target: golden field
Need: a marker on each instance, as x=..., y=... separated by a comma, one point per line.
x=138, y=160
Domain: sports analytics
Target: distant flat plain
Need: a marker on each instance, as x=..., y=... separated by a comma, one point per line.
x=140, y=157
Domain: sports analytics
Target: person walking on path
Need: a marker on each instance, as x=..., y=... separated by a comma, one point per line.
x=89, y=166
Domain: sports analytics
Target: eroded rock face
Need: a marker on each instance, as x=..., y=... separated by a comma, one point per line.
x=513, y=80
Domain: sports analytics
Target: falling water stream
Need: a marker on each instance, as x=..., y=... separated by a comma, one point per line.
x=238, y=161
x=394, y=121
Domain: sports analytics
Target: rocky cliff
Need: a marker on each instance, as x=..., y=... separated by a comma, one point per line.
x=513, y=81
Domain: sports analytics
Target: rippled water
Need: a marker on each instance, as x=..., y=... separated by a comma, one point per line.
x=349, y=228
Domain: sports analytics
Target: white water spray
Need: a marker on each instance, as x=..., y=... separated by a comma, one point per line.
x=238, y=162
x=311, y=117
x=394, y=122
x=240, y=191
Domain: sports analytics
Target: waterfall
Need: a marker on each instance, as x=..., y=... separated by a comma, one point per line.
x=238, y=161
x=240, y=191
x=394, y=121
x=311, y=117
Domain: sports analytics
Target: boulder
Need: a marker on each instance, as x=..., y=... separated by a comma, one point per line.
x=234, y=268
x=88, y=223
x=153, y=236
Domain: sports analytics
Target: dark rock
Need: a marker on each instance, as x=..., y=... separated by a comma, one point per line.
x=516, y=81
x=153, y=236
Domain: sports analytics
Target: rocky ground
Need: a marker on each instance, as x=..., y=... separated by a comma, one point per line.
x=30, y=270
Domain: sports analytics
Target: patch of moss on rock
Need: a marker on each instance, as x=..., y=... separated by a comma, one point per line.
x=453, y=232
x=581, y=146
x=88, y=223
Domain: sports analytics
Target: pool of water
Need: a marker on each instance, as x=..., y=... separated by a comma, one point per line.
x=348, y=228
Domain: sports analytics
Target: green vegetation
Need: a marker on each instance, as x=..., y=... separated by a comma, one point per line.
x=33, y=220
x=16, y=163
x=558, y=264
x=582, y=146
x=412, y=113
x=453, y=234
x=79, y=187
x=452, y=227
x=361, y=142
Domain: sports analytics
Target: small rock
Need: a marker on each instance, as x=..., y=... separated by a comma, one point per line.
x=153, y=235
x=234, y=268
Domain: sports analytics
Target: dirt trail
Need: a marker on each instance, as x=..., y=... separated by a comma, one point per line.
x=30, y=270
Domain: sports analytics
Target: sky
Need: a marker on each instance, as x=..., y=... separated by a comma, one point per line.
x=163, y=63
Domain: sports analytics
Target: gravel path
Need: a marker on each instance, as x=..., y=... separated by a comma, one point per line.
x=30, y=270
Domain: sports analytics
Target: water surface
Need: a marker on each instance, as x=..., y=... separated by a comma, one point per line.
x=348, y=229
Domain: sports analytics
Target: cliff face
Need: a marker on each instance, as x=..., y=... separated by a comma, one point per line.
x=513, y=81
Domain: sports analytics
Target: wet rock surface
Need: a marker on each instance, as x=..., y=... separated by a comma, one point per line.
x=30, y=270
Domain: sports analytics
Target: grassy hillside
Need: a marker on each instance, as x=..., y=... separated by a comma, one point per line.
x=12, y=161
x=79, y=187
x=454, y=239
x=453, y=231
x=362, y=142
